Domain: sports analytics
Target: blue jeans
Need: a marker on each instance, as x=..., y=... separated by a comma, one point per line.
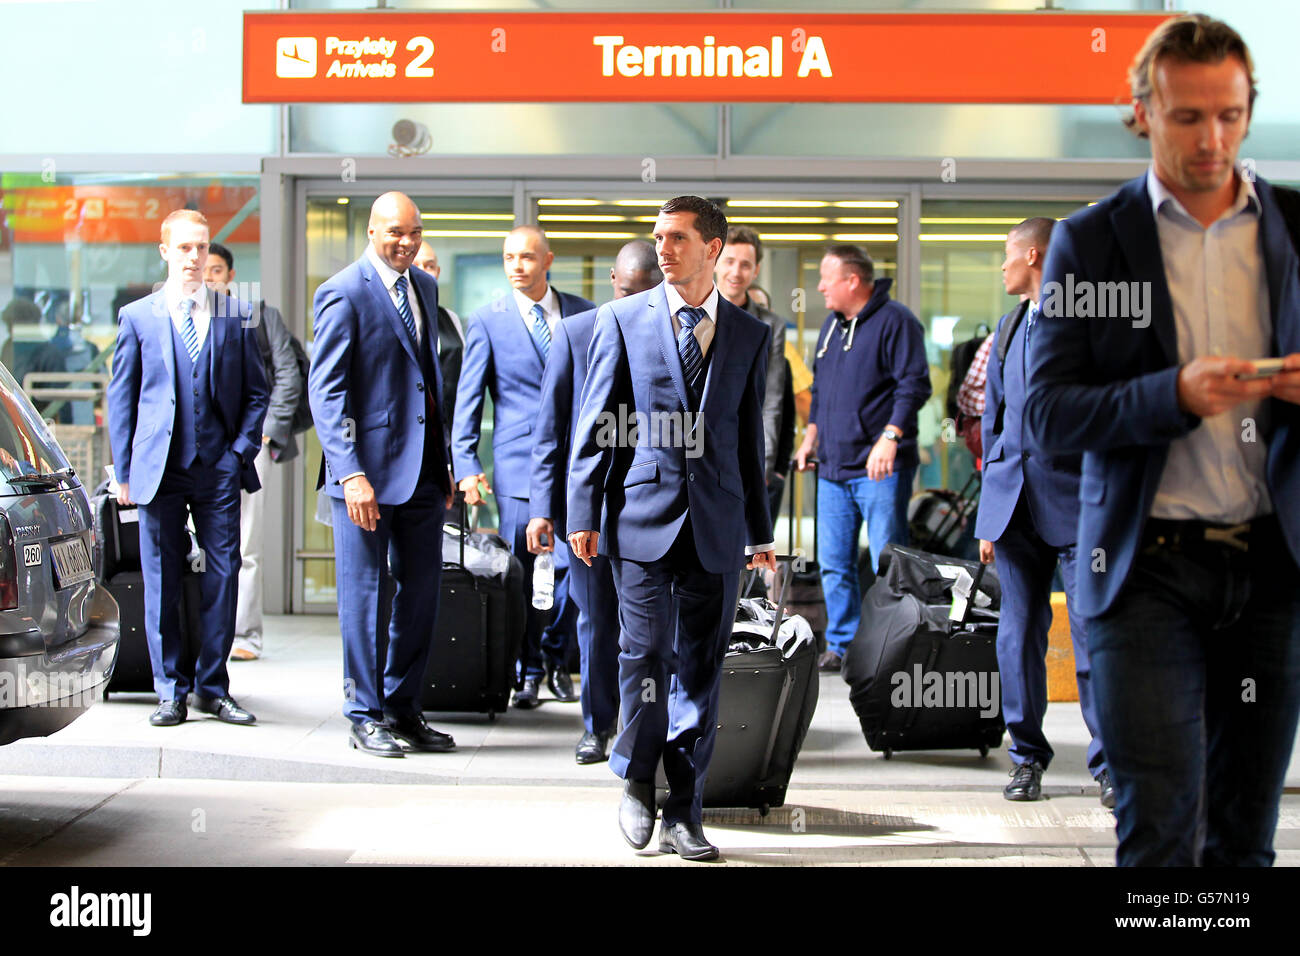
x=1196, y=673
x=842, y=506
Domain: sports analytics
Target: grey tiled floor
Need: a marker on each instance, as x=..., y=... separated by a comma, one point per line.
x=110, y=789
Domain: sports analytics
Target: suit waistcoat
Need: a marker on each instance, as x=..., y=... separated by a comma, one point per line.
x=198, y=434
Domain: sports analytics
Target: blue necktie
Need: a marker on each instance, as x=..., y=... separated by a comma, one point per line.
x=688, y=347
x=404, y=309
x=188, y=332
x=541, y=331
x=1031, y=316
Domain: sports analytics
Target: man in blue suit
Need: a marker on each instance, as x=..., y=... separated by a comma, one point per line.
x=667, y=480
x=375, y=390
x=1028, y=517
x=506, y=347
x=185, y=410
x=591, y=588
x=1155, y=302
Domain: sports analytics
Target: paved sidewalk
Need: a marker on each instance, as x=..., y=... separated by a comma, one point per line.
x=846, y=804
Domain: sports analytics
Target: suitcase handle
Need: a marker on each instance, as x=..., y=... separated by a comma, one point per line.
x=793, y=472
x=459, y=498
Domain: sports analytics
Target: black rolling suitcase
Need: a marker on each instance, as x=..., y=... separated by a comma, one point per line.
x=117, y=566
x=922, y=668
x=766, y=701
x=480, y=627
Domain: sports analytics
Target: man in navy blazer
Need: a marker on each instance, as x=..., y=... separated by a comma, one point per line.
x=1155, y=302
x=1028, y=517
x=375, y=393
x=667, y=480
x=591, y=588
x=506, y=347
x=185, y=409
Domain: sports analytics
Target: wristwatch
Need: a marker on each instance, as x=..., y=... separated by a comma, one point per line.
x=893, y=434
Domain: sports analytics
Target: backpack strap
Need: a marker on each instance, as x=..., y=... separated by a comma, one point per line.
x=1006, y=332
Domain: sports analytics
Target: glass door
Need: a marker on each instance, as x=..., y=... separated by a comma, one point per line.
x=587, y=228
x=465, y=233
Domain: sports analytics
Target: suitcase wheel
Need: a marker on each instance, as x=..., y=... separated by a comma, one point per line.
x=984, y=750
x=492, y=716
x=764, y=810
x=888, y=753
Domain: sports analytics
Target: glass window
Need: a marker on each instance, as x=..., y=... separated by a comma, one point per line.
x=962, y=249
x=511, y=129
x=81, y=247
x=26, y=446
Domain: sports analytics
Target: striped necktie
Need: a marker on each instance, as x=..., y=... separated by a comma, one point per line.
x=688, y=347
x=541, y=331
x=404, y=309
x=188, y=332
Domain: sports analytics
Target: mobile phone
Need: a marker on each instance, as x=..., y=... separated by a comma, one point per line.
x=1263, y=369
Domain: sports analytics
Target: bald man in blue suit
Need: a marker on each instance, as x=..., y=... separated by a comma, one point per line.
x=507, y=344
x=375, y=391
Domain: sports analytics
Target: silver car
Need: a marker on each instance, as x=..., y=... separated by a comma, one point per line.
x=58, y=627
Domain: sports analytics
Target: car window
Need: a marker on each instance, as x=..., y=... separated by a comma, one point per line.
x=26, y=445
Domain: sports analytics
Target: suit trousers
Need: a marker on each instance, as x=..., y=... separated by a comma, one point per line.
x=548, y=633
x=675, y=624
x=252, y=506
x=1026, y=565
x=381, y=677
x=211, y=494
x=592, y=591
x=1196, y=668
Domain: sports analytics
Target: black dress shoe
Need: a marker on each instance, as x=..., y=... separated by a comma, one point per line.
x=169, y=713
x=830, y=662
x=636, y=812
x=418, y=734
x=374, y=739
x=591, y=748
x=1107, y=790
x=686, y=840
x=1026, y=782
x=560, y=683
x=526, y=696
x=225, y=709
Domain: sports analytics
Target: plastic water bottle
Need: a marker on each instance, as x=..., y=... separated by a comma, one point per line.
x=544, y=581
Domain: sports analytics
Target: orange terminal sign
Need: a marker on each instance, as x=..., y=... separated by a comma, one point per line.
x=718, y=56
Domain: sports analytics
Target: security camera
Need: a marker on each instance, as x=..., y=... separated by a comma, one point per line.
x=410, y=139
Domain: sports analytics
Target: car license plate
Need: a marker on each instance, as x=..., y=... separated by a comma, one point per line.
x=71, y=561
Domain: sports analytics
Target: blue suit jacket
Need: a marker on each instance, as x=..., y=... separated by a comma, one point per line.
x=502, y=358
x=646, y=491
x=1050, y=483
x=142, y=392
x=1108, y=389
x=557, y=417
x=367, y=386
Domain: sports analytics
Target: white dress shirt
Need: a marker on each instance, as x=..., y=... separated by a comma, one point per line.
x=703, y=332
x=550, y=303
x=201, y=313
x=704, y=328
x=1219, y=289
x=388, y=275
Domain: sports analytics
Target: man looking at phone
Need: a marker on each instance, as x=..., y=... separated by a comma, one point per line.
x=1189, y=530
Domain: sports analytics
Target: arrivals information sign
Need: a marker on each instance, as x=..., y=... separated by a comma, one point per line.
x=719, y=56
